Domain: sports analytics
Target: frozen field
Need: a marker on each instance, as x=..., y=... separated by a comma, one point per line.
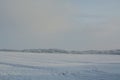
x=34, y=66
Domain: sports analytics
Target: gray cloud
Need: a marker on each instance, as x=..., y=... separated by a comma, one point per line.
x=43, y=15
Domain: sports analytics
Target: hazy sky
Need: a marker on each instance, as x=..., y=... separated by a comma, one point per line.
x=64, y=24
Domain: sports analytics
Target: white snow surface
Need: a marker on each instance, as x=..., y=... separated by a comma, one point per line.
x=46, y=66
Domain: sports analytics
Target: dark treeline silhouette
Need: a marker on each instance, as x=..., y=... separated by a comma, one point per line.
x=113, y=52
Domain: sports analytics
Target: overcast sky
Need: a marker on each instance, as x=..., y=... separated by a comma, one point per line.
x=62, y=24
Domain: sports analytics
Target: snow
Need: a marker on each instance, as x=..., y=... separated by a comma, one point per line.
x=45, y=66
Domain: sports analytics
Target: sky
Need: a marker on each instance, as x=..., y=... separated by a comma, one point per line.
x=61, y=24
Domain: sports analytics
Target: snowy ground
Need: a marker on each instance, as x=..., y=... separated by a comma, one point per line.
x=33, y=66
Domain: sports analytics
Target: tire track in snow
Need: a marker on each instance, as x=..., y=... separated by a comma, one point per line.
x=22, y=66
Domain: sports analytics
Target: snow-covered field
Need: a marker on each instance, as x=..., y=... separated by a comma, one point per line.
x=34, y=66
